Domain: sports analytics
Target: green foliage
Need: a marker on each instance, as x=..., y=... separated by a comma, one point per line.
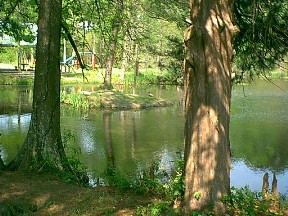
x=245, y=202
x=147, y=78
x=24, y=81
x=78, y=171
x=176, y=54
x=8, y=55
x=153, y=180
x=16, y=17
x=199, y=213
x=78, y=101
x=149, y=180
x=240, y=202
x=172, y=11
x=197, y=195
x=155, y=209
x=116, y=179
x=15, y=80
x=177, y=180
x=137, y=27
x=262, y=41
x=19, y=209
x=152, y=76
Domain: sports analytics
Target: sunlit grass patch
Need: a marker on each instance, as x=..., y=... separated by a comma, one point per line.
x=16, y=80
x=111, y=99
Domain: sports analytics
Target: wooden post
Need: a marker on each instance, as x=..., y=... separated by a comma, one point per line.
x=76, y=64
x=274, y=191
x=64, y=54
x=94, y=61
x=19, y=58
x=265, y=184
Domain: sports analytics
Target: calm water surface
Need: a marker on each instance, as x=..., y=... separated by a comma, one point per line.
x=131, y=140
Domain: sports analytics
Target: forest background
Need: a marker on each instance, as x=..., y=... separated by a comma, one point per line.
x=145, y=38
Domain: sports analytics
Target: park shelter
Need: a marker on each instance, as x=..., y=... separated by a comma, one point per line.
x=25, y=51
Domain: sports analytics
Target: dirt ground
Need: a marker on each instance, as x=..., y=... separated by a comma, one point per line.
x=44, y=194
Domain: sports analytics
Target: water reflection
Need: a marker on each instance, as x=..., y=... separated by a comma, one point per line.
x=87, y=141
x=243, y=174
x=13, y=133
x=130, y=140
x=259, y=124
x=110, y=155
x=15, y=100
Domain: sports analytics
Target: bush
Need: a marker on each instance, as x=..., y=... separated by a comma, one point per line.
x=77, y=101
x=243, y=201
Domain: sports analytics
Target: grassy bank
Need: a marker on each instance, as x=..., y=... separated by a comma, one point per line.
x=145, y=76
x=46, y=194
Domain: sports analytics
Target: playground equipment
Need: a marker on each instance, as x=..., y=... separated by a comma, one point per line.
x=72, y=61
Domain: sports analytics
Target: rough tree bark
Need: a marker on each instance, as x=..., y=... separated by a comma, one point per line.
x=43, y=147
x=209, y=53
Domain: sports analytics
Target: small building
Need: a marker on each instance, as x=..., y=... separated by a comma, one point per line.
x=24, y=51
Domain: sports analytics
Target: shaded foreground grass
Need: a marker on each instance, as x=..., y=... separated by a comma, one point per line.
x=44, y=194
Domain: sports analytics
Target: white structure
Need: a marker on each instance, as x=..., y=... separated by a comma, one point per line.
x=26, y=60
x=6, y=40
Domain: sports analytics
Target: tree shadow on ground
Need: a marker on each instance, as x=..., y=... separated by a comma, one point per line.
x=44, y=194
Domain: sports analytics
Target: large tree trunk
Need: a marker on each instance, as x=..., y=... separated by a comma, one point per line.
x=43, y=146
x=209, y=53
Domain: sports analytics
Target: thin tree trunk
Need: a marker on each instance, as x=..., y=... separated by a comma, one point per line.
x=125, y=59
x=117, y=22
x=111, y=57
x=209, y=51
x=136, y=71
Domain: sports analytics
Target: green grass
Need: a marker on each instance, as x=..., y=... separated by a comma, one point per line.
x=145, y=76
x=278, y=74
x=16, y=80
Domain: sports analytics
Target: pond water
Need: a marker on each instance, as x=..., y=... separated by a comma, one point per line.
x=131, y=140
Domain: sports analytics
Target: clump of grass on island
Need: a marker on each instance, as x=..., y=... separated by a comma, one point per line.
x=112, y=99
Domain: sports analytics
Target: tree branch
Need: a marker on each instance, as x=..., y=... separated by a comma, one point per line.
x=7, y=17
x=69, y=37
